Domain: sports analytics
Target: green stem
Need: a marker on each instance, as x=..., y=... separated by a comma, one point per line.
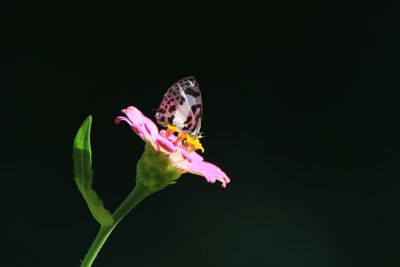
x=137, y=195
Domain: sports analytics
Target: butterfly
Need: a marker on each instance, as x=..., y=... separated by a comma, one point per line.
x=182, y=107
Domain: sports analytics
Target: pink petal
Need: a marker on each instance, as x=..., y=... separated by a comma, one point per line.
x=122, y=118
x=166, y=144
x=140, y=124
x=135, y=127
x=133, y=114
x=191, y=156
x=170, y=137
x=150, y=127
x=210, y=171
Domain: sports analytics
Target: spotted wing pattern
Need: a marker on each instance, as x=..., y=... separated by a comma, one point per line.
x=182, y=106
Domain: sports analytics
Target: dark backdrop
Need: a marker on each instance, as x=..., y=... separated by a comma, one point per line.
x=300, y=109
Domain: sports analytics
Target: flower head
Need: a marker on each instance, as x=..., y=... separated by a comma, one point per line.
x=179, y=154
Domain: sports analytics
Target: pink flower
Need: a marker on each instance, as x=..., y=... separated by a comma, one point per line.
x=169, y=145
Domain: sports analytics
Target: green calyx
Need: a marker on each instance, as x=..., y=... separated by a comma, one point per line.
x=155, y=171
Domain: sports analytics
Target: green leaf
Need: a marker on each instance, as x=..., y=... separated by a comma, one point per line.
x=83, y=174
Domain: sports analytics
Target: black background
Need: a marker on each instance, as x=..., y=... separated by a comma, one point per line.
x=300, y=110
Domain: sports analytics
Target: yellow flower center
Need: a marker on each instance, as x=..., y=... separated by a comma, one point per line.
x=189, y=141
x=192, y=143
x=171, y=129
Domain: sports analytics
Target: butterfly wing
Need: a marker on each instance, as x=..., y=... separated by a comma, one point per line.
x=182, y=106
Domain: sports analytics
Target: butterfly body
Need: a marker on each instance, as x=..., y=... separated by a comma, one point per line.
x=182, y=107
